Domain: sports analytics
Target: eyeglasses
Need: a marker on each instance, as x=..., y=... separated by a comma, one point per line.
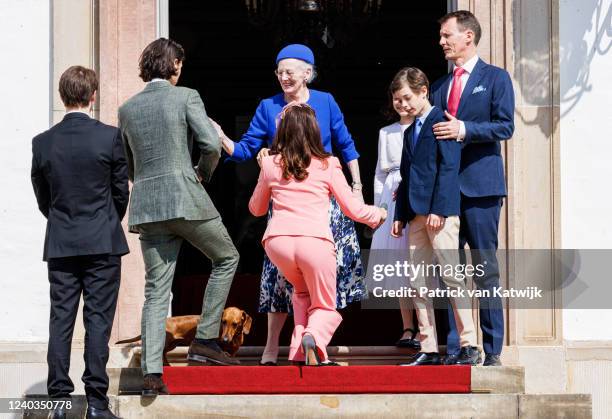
x=289, y=73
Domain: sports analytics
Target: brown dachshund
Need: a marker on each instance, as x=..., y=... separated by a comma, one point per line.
x=181, y=330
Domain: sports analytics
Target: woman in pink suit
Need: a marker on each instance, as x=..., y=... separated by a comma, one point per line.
x=300, y=178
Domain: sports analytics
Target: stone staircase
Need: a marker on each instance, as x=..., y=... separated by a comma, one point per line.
x=497, y=392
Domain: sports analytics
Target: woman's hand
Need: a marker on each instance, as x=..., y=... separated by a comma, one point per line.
x=383, y=216
x=396, y=231
x=357, y=189
x=217, y=128
x=264, y=152
x=435, y=222
x=226, y=143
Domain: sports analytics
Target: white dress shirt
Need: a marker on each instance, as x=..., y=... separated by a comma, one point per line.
x=468, y=66
x=79, y=111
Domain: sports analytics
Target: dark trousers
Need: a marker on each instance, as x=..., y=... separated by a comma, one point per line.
x=97, y=278
x=479, y=227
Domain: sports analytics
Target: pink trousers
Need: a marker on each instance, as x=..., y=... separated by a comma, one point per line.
x=309, y=264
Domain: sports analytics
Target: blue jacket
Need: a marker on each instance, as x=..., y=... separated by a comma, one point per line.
x=263, y=127
x=487, y=110
x=430, y=174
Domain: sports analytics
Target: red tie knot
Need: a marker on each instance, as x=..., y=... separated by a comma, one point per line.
x=458, y=72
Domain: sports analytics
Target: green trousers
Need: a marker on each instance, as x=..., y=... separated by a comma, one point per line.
x=160, y=243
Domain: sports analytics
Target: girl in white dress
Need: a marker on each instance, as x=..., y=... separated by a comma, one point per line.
x=386, y=181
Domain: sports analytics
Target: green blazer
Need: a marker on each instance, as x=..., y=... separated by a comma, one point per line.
x=159, y=126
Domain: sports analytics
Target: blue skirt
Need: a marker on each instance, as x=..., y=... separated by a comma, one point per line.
x=275, y=291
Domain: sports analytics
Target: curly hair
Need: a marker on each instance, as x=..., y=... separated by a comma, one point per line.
x=298, y=141
x=157, y=59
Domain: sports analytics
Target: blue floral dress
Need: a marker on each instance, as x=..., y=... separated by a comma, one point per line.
x=275, y=291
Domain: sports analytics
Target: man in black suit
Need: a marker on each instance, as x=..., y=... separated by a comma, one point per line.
x=79, y=174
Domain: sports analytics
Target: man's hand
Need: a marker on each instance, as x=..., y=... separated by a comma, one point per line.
x=264, y=152
x=447, y=130
x=396, y=231
x=435, y=222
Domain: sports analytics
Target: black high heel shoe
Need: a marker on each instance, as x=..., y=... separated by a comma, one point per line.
x=311, y=355
x=411, y=342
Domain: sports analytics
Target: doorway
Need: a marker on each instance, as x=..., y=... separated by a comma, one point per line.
x=230, y=59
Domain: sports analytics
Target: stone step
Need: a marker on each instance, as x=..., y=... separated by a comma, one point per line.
x=250, y=355
x=492, y=380
x=422, y=406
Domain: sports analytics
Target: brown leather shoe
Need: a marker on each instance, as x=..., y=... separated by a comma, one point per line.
x=204, y=354
x=153, y=385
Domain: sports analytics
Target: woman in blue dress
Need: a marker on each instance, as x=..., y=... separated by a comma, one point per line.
x=295, y=69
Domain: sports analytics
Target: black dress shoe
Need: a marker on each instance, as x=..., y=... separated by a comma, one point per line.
x=57, y=413
x=424, y=358
x=410, y=342
x=209, y=354
x=450, y=359
x=268, y=364
x=153, y=385
x=329, y=363
x=468, y=355
x=491, y=360
x=93, y=413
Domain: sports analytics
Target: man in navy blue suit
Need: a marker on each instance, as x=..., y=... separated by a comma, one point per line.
x=80, y=178
x=428, y=203
x=478, y=102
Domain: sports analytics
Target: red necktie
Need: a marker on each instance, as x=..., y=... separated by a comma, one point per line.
x=455, y=93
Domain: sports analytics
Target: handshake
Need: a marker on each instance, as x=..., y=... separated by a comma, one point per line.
x=383, y=216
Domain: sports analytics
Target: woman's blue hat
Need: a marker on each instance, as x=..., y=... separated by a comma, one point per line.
x=298, y=51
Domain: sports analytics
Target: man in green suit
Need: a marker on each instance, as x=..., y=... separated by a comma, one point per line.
x=169, y=203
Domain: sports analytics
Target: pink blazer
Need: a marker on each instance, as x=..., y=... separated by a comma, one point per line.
x=302, y=208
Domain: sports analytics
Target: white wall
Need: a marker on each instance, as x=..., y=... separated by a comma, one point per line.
x=586, y=144
x=24, y=112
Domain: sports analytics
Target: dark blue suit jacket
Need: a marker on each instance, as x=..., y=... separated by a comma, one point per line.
x=79, y=174
x=430, y=174
x=487, y=110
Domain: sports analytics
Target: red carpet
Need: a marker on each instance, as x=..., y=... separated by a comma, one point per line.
x=312, y=380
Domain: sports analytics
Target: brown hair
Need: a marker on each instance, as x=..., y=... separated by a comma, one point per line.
x=465, y=20
x=412, y=77
x=76, y=86
x=298, y=140
x=157, y=59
